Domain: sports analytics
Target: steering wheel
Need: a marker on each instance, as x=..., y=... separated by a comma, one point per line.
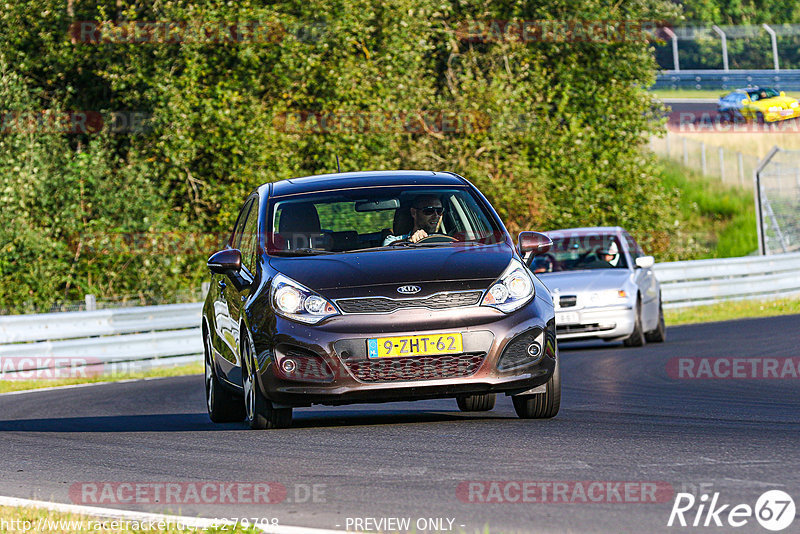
x=437, y=238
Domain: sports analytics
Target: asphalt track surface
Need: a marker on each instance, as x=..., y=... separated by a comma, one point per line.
x=623, y=418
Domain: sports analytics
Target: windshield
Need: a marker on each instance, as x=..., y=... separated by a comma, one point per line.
x=763, y=93
x=374, y=218
x=597, y=251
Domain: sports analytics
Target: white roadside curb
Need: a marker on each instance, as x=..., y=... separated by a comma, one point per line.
x=111, y=513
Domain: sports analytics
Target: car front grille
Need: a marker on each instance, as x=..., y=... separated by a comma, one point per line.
x=416, y=368
x=437, y=301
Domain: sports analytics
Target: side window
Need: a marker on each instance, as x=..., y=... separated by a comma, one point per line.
x=236, y=237
x=633, y=247
x=249, y=245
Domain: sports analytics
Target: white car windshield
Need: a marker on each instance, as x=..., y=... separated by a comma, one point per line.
x=579, y=252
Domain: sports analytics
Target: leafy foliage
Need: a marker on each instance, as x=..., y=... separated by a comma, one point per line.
x=553, y=132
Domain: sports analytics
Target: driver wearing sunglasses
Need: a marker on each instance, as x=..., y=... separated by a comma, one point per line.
x=426, y=212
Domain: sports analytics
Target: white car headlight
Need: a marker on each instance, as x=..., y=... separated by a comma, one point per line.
x=774, y=108
x=608, y=297
x=794, y=104
x=295, y=301
x=512, y=290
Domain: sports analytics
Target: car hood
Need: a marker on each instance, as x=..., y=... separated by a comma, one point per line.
x=572, y=282
x=434, y=268
x=779, y=101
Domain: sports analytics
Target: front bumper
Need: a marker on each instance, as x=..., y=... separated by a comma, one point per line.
x=775, y=116
x=341, y=343
x=609, y=322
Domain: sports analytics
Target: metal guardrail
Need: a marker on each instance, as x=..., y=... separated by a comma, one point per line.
x=787, y=80
x=700, y=282
x=161, y=335
x=172, y=332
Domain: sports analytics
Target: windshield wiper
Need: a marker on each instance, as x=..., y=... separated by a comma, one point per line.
x=302, y=252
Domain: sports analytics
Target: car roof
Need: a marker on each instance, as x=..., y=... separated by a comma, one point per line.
x=585, y=230
x=350, y=180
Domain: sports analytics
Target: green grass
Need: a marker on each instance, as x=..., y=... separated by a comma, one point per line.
x=688, y=93
x=726, y=311
x=714, y=220
x=15, y=518
x=7, y=385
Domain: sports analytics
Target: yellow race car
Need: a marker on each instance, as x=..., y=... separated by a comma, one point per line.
x=758, y=104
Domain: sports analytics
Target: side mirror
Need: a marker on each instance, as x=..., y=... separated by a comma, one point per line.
x=783, y=93
x=534, y=243
x=225, y=261
x=645, y=262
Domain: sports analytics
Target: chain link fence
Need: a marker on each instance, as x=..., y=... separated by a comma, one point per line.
x=729, y=166
x=741, y=47
x=778, y=202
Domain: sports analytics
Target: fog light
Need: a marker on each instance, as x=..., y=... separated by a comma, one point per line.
x=288, y=365
x=534, y=349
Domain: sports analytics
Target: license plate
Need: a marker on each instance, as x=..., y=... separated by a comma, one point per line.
x=787, y=112
x=567, y=318
x=427, y=345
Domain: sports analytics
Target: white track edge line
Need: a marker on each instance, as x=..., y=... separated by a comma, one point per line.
x=113, y=513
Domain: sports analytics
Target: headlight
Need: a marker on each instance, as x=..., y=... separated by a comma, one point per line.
x=295, y=301
x=512, y=290
x=794, y=104
x=774, y=108
x=608, y=297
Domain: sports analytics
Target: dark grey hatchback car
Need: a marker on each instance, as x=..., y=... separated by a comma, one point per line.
x=375, y=287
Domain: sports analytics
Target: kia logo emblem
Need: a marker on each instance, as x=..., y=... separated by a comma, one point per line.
x=409, y=290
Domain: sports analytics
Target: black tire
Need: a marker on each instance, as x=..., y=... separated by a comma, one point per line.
x=223, y=405
x=544, y=405
x=659, y=335
x=476, y=403
x=636, y=339
x=259, y=412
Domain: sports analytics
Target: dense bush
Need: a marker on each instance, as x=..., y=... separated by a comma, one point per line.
x=552, y=132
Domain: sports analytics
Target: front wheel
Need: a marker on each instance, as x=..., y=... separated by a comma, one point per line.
x=636, y=339
x=223, y=406
x=544, y=405
x=259, y=411
x=659, y=335
x=476, y=403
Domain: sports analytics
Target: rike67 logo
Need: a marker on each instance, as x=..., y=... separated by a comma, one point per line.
x=774, y=510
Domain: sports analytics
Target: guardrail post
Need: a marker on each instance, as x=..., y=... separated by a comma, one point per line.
x=774, y=38
x=724, y=39
x=722, y=164
x=685, y=153
x=205, y=286
x=703, y=158
x=91, y=302
x=741, y=169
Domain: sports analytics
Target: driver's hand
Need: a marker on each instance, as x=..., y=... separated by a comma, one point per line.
x=416, y=236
